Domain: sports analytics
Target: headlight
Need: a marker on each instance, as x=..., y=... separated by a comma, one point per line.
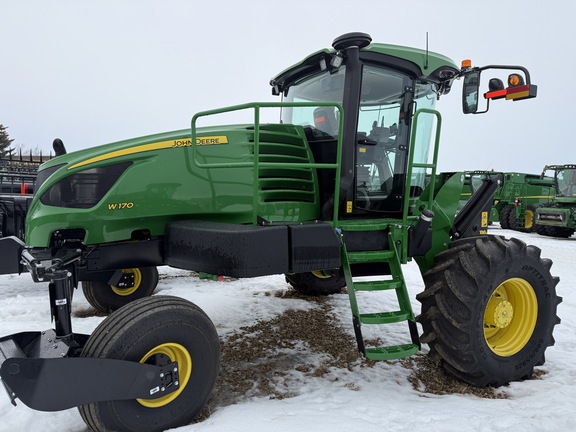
x=84, y=189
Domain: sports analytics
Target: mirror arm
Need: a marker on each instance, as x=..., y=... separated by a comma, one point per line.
x=486, y=110
x=503, y=67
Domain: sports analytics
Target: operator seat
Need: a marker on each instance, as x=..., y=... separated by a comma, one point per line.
x=380, y=134
x=325, y=120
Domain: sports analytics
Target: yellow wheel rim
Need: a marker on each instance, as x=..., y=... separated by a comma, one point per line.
x=176, y=353
x=137, y=281
x=321, y=275
x=510, y=317
x=529, y=219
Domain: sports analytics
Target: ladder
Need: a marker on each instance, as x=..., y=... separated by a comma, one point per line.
x=396, y=283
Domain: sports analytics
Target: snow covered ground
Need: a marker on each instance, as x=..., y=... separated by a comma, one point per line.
x=314, y=384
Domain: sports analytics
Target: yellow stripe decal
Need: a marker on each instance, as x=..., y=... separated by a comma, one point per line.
x=211, y=140
x=124, y=152
x=178, y=143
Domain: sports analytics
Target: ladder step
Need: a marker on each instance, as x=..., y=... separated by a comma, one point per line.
x=377, y=285
x=370, y=256
x=366, y=224
x=385, y=317
x=391, y=352
x=387, y=263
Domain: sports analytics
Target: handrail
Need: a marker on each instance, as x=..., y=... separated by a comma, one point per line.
x=411, y=163
x=256, y=164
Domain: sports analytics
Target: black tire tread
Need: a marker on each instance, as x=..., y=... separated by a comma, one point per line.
x=447, y=302
x=554, y=231
x=137, y=313
x=309, y=284
x=504, y=216
x=98, y=293
x=513, y=222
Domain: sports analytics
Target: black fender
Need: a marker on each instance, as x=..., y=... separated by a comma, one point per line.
x=252, y=250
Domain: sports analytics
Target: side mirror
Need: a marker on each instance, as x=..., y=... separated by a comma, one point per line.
x=470, y=91
x=519, y=87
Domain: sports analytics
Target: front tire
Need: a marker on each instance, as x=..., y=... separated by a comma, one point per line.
x=489, y=310
x=505, y=215
x=317, y=283
x=156, y=329
x=528, y=220
x=107, y=298
x=554, y=231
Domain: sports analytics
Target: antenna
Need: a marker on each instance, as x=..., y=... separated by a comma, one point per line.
x=426, y=60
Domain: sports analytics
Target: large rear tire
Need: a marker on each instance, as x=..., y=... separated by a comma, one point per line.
x=107, y=298
x=489, y=310
x=505, y=215
x=156, y=330
x=528, y=220
x=317, y=283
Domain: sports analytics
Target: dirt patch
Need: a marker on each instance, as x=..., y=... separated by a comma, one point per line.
x=274, y=358
x=429, y=377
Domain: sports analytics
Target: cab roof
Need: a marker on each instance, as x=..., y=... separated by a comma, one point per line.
x=425, y=64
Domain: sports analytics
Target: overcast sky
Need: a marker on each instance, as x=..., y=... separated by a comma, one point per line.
x=93, y=72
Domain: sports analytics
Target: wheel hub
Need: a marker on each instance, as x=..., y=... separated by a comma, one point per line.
x=134, y=275
x=499, y=314
x=320, y=274
x=510, y=317
x=169, y=352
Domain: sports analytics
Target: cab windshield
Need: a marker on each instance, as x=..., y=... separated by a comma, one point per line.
x=323, y=87
x=383, y=134
x=566, y=182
